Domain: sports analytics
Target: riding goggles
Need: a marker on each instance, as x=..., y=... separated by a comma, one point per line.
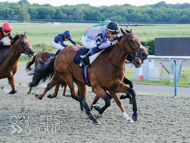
x=113, y=32
x=6, y=31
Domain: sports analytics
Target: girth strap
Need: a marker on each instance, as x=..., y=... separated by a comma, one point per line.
x=85, y=76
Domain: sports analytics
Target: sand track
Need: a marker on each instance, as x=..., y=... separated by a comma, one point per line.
x=27, y=119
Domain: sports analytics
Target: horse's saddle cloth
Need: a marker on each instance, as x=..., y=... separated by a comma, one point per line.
x=81, y=53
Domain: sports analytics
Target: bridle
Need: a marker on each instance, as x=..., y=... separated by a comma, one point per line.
x=124, y=52
x=22, y=44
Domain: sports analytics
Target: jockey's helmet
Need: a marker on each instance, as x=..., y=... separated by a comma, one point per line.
x=6, y=27
x=67, y=34
x=113, y=27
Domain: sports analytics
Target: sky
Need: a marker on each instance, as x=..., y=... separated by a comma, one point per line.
x=100, y=2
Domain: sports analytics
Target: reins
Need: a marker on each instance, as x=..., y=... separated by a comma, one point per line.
x=123, y=51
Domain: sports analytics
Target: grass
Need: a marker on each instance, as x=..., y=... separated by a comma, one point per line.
x=129, y=73
x=42, y=35
x=24, y=60
x=45, y=33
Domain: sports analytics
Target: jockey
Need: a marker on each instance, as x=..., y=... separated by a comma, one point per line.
x=99, y=38
x=59, y=41
x=5, y=30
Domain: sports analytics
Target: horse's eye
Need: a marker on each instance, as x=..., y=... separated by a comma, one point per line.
x=132, y=42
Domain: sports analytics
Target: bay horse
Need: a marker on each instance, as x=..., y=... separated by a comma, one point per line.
x=105, y=74
x=42, y=58
x=10, y=55
x=38, y=60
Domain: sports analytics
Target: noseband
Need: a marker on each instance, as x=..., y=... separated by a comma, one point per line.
x=124, y=52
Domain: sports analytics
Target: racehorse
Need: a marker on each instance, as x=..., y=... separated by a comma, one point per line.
x=136, y=61
x=40, y=59
x=10, y=55
x=105, y=74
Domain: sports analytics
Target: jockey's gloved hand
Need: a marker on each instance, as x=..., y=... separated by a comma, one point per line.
x=12, y=41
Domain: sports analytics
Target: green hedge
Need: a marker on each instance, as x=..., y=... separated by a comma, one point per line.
x=149, y=44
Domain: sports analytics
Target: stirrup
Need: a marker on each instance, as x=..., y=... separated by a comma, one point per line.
x=86, y=65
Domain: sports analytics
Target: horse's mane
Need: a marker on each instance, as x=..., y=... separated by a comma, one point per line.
x=15, y=39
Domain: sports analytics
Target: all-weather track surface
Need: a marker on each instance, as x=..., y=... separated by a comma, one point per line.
x=27, y=119
x=161, y=118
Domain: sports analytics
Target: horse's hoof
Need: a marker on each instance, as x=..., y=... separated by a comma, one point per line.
x=96, y=122
x=49, y=96
x=134, y=117
x=130, y=121
x=123, y=97
x=28, y=92
x=37, y=96
x=96, y=106
x=12, y=92
x=130, y=101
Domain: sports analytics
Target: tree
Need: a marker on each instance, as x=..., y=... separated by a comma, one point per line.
x=25, y=2
x=24, y=13
x=33, y=13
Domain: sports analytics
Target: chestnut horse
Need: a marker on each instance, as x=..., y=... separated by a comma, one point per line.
x=105, y=74
x=42, y=58
x=9, y=56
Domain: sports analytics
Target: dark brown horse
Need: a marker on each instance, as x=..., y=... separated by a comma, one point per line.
x=10, y=55
x=105, y=74
x=39, y=59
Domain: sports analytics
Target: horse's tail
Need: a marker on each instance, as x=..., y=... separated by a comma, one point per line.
x=42, y=73
x=28, y=64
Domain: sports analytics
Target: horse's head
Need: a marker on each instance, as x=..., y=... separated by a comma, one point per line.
x=135, y=45
x=136, y=61
x=22, y=43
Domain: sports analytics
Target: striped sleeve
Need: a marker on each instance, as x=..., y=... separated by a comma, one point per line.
x=10, y=36
x=99, y=39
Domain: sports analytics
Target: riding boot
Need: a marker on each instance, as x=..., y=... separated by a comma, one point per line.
x=53, y=55
x=57, y=52
x=85, y=60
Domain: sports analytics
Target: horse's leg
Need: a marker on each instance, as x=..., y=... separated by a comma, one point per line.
x=119, y=104
x=126, y=81
x=30, y=89
x=127, y=96
x=55, y=91
x=64, y=91
x=96, y=98
x=49, y=86
x=12, y=84
x=99, y=91
x=124, y=89
x=82, y=92
x=69, y=80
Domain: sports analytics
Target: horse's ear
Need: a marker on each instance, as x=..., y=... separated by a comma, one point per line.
x=131, y=30
x=123, y=31
x=18, y=35
x=25, y=33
